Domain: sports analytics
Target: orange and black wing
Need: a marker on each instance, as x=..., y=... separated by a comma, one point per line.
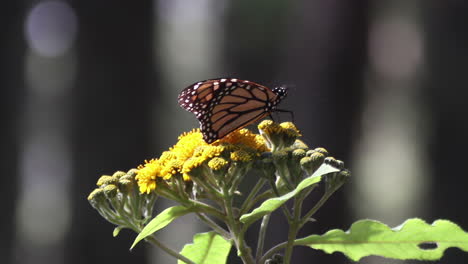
x=224, y=105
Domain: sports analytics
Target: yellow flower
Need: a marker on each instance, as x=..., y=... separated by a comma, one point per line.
x=217, y=163
x=245, y=137
x=191, y=151
x=241, y=155
x=291, y=128
x=146, y=175
x=278, y=136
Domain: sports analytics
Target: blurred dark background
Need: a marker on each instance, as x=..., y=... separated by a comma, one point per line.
x=90, y=87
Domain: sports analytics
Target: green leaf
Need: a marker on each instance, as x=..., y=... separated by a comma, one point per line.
x=117, y=231
x=407, y=241
x=161, y=221
x=207, y=248
x=272, y=204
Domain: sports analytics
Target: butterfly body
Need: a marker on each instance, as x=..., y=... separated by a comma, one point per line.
x=226, y=104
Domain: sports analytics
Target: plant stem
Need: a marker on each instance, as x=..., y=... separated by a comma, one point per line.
x=214, y=226
x=272, y=251
x=261, y=237
x=202, y=207
x=293, y=227
x=246, y=205
x=235, y=230
x=168, y=250
x=316, y=207
x=263, y=196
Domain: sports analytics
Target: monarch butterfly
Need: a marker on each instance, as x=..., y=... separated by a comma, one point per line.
x=224, y=105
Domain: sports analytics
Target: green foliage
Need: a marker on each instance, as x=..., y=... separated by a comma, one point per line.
x=207, y=248
x=368, y=237
x=161, y=221
x=272, y=204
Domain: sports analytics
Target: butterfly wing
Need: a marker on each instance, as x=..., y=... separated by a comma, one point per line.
x=224, y=105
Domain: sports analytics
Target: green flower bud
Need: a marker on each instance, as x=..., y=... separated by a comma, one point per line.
x=340, y=164
x=335, y=180
x=299, y=144
x=126, y=186
x=322, y=150
x=311, y=163
x=110, y=191
x=119, y=174
x=104, y=180
x=127, y=177
x=132, y=172
x=96, y=197
x=332, y=161
x=298, y=154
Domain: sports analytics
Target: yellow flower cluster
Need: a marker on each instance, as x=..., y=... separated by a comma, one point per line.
x=288, y=128
x=191, y=151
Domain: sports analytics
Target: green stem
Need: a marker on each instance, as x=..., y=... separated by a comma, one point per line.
x=261, y=237
x=284, y=208
x=160, y=245
x=204, y=208
x=235, y=230
x=214, y=226
x=316, y=207
x=294, y=227
x=246, y=205
x=168, y=250
x=266, y=195
x=210, y=190
x=272, y=251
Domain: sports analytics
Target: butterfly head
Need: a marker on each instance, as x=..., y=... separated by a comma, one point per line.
x=281, y=91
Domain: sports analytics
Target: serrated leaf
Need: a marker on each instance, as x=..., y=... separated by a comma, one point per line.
x=368, y=237
x=161, y=221
x=117, y=231
x=207, y=248
x=272, y=204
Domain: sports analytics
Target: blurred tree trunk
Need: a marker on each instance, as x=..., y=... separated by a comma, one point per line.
x=447, y=57
x=11, y=88
x=110, y=116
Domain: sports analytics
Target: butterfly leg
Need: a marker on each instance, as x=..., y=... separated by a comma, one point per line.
x=286, y=111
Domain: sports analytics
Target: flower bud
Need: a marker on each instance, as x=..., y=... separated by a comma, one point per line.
x=299, y=144
x=217, y=163
x=132, y=172
x=104, y=180
x=322, y=150
x=332, y=161
x=126, y=185
x=311, y=163
x=96, y=197
x=278, y=136
x=241, y=155
x=110, y=191
x=298, y=154
x=119, y=174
